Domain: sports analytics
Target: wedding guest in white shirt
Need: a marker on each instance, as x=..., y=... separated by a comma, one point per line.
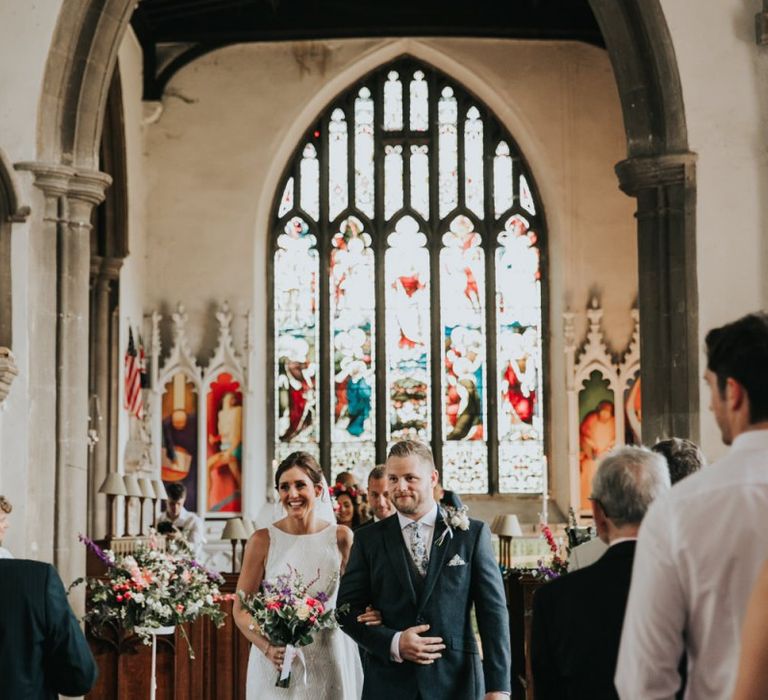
x=184, y=524
x=5, y=510
x=702, y=545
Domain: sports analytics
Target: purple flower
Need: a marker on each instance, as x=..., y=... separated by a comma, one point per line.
x=98, y=551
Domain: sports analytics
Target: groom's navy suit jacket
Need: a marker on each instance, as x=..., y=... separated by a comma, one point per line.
x=43, y=651
x=380, y=573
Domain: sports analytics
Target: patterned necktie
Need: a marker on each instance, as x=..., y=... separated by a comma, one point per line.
x=418, y=548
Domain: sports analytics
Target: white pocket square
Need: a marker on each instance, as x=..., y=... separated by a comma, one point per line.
x=457, y=561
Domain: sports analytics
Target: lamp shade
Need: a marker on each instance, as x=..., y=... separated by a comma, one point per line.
x=495, y=524
x=509, y=526
x=234, y=530
x=132, y=486
x=147, y=490
x=160, y=491
x=113, y=485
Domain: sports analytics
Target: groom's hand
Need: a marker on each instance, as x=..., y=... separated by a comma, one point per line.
x=420, y=650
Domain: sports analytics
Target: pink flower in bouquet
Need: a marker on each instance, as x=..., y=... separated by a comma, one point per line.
x=274, y=605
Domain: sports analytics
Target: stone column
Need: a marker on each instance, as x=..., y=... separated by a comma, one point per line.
x=53, y=181
x=101, y=324
x=668, y=293
x=86, y=190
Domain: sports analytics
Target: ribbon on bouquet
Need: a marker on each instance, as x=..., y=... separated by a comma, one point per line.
x=291, y=653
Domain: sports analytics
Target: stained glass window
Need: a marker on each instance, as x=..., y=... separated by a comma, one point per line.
x=297, y=334
x=364, y=152
x=424, y=181
x=352, y=299
x=337, y=164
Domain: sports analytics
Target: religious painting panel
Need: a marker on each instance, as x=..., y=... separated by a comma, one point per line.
x=179, y=451
x=633, y=414
x=408, y=332
x=224, y=445
x=296, y=314
x=597, y=430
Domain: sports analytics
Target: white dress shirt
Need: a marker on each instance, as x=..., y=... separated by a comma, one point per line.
x=428, y=533
x=5, y=554
x=700, y=549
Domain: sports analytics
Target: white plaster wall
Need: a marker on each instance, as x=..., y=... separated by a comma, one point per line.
x=725, y=88
x=26, y=29
x=232, y=118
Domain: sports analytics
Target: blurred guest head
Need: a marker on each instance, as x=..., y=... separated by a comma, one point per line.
x=627, y=481
x=683, y=457
x=378, y=496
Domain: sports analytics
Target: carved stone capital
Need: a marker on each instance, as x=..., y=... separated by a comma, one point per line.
x=51, y=178
x=8, y=372
x=636, y=174
x=89, y=186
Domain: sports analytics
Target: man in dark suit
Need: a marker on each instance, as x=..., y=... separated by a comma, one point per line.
x=577, y=618
x=43, y=651
x=424, y=576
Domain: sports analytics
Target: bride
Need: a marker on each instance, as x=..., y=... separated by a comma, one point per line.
x=307, y=540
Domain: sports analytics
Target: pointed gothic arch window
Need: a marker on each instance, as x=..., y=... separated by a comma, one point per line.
x=406, y=280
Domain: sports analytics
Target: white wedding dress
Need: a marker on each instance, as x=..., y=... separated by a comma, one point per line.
x=334, y=671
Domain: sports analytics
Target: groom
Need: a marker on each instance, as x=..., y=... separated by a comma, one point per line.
x=424, y=576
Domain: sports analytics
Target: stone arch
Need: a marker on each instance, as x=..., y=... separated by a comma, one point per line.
x=78, y=73
x=660, y=172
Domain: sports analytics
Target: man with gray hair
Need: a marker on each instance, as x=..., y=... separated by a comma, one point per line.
x=577, y=618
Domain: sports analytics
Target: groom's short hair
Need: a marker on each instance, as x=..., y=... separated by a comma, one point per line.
x=412, y=448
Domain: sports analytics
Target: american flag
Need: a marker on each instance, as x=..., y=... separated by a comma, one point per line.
x=134, y=401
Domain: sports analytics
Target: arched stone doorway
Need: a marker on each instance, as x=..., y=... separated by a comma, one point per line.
x=659, y=172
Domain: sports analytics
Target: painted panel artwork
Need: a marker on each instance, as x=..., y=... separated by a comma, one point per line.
x=597, y=430
x=296, y=330
x=408, y=332
x=462, y=310
x=224, y=445
x=633, y=412
x=179, y=458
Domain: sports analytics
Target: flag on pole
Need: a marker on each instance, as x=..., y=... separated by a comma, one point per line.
x=134, y=401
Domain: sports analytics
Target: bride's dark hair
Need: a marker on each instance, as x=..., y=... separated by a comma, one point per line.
x=304, y=461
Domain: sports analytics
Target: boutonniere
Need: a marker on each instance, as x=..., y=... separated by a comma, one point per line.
x=453, y=518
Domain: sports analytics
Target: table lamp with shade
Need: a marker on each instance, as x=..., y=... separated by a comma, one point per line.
x=112, y=486
x=132, y=490
x=234, y=530
x=160, y=495
x=506, y=527
x=147, y=494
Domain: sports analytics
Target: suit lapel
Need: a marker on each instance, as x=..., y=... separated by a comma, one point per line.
x=393, y=543
x=436, y=558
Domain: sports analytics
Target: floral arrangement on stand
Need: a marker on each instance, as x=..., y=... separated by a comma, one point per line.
x=150, y=589
x=288, y=614
x=557, y=565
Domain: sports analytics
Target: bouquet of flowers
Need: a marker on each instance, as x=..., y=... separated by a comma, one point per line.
x=289, y=615
x=150, y=589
